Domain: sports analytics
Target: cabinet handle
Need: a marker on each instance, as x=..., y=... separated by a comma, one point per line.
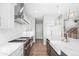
x=27, y=46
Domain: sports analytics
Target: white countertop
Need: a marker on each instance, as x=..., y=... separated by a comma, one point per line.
x=70, y=48
x=8, y=48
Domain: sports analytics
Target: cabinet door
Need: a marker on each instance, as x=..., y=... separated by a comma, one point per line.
x=53, y=52
x=48, y=48
x=18, y=52
x=27, y=50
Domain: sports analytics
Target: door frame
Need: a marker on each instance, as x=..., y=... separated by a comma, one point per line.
x=42, y=27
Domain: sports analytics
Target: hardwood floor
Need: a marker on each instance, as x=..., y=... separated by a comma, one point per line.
x=38, y=49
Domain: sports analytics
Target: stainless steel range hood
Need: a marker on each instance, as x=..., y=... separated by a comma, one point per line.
x=20, y=21
x=19, y=17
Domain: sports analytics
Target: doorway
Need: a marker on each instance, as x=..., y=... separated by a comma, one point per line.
x=39, y=28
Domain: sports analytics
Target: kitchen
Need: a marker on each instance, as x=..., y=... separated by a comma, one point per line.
x=24, y=25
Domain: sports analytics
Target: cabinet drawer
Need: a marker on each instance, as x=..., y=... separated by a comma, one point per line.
x=18, y=52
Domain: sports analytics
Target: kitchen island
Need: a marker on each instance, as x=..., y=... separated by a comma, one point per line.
x=68, y=48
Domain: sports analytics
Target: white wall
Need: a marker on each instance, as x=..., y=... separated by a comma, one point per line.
x=39, y=31
x=52, y=28
x=49, y=22
x=31, y=21
x=7, y=15
x=32, y=25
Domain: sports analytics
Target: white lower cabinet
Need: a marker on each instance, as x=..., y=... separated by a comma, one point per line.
x=17, y=52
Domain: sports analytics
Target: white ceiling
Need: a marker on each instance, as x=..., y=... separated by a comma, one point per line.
x=38, y=9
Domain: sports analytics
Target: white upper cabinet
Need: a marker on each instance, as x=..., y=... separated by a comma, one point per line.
x=6, y=15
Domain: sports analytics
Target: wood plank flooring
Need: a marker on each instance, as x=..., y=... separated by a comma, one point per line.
x=38, y=49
